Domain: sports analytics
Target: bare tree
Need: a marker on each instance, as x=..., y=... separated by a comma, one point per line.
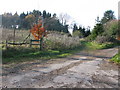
x=64, y=18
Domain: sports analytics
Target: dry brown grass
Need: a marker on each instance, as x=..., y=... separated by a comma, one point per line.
x=20, y=35
x=60, y=41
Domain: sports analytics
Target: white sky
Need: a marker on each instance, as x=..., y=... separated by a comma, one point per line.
x=84, y=12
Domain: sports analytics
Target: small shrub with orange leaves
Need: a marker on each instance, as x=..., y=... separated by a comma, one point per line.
x=38, y=31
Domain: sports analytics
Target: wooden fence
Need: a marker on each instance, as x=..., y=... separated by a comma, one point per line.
x=34, y=42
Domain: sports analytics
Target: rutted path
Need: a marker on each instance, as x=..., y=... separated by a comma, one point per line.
x=89, y=69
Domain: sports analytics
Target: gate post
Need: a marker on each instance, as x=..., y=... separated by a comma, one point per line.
x=30, y=43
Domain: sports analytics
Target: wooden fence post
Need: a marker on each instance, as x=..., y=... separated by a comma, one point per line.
x=30, y=43
x=41, y=42
x=6, y=44
x=14, y=35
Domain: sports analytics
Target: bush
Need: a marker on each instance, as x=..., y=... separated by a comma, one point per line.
x=77, y=33
x=111, y=28
x=105, y=39
x=97, y=30
x=60, y=41
x=116, y=58
x=91, y=37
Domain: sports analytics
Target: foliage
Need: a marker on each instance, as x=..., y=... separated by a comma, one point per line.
x=9, y=20
x=108, y=15
x=105, y=28
x=38, y=31
x=26, y=21
x=111, y=28
x=87, y=33
x=97, y=30
x=103, y=39
x=81, y=32
x=94, y=45
x=76, y=33
x=30, y=19
x=116, y=58
x=61, y=41
x=75, y=28
x=52, y=24
x=37, y=14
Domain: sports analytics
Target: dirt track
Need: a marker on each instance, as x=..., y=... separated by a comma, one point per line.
x=87, y=69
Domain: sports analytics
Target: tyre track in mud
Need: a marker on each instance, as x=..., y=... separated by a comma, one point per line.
x=49, y=76
x=44, y=77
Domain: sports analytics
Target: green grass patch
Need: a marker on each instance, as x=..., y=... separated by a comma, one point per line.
x=116, y=58
x=64, y=55
x=16, y=55
x=93, y=45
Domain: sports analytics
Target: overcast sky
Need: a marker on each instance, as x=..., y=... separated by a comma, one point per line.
x=83, y=12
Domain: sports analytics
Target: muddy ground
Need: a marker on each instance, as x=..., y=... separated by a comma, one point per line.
x=87, y=69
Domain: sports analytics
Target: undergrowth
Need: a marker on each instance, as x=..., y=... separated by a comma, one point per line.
x=26, y=54
x=94, y=45
x=116, y=58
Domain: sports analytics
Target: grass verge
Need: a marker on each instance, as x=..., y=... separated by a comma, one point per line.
x=16, y=55
x=116, y=58
x=93, y=45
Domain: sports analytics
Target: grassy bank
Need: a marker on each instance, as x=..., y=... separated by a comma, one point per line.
x=116, y=58
x=93, y=45
x=17, y=55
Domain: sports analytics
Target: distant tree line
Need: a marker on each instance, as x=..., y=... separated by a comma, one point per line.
x=107, y=26
x=80, y=31
x=27, y=20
